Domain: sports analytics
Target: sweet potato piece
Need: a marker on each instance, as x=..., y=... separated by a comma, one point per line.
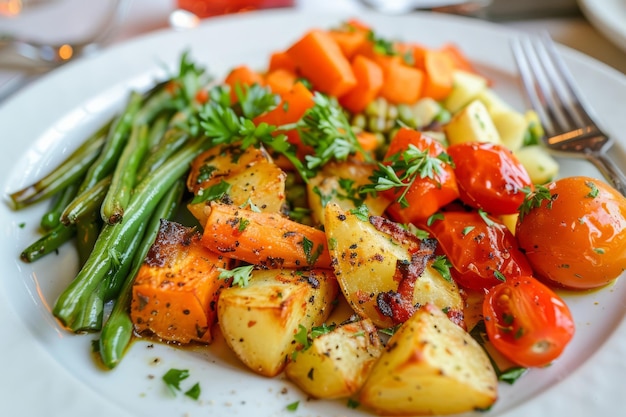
x=176, y=289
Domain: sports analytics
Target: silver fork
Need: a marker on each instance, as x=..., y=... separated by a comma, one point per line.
x=569, y=124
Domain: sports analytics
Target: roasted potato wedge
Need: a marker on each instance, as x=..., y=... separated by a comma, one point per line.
x=177, y=287
x=252, y=176
x=336, y=364
x=430, y=366
x=259, y=321
x=329, y=185
x=365, y=261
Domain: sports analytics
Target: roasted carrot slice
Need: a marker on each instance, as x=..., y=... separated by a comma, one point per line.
x=177, y=287
x=241, y=75
x=319, y=59
x=267, y=239
x=281, y=60
x=369, y=78
x=280, y=81
x=438, y=71
x=402, y=84
x=458, y=57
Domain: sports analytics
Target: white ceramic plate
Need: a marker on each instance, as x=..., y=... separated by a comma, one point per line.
x=608, y=17
x=48, y=372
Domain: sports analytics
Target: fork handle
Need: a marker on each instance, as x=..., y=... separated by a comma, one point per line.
x=609, y=170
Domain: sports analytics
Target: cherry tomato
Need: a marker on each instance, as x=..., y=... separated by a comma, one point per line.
x=527, y=322
x=426, y=195
x=489, y=177
x=576, y=236
x=481, y=249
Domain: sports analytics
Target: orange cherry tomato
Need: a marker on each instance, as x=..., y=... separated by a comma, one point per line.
x=527, y=322
x=489, y=177
x=426, y=195
x=481, y=249
x=576, y=236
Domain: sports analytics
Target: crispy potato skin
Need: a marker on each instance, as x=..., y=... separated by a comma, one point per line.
x=337, y=363
x=430, y=366
x=176, y=289
x=365, y=261
x=259, y=321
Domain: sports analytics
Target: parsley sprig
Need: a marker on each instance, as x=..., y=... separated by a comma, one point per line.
x=533, y=199
x=402, y=169
x=324, y=127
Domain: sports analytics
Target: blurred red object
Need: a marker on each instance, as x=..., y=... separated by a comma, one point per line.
x=208, y=8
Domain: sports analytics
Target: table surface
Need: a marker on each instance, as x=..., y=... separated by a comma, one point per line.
x=572, y=30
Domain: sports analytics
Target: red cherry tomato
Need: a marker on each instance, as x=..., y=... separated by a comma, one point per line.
x=481, y=249
x=426, y=195
x=576, y=235
x=489, y=177
x=527, y=322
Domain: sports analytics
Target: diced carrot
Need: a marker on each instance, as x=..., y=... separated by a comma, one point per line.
x=368, y=142
x=358, y=25
x=176, y=289
x=402, y=84
x=267, y=239
x=319, y=59
x=418, y=52
x=349, y=41
x=438, y=70
x=426, y=195
x=281, y=60
x=280, y=81
x=458, y=57
x=292, y=107
x=240, y=76
x=369, y=78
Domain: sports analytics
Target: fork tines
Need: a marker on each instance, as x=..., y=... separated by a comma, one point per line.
x=550, y=87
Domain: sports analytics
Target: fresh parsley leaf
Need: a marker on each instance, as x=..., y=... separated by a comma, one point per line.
x=212, y=193
x=317, y=331
x=194, y=391
x=240, y=275
x=594, y=189
x=361, y=212
x=499, y=276
x=512, y=374
x=483, y=215
x=302, y=337
x=442, y=265
x=352, y=403
x=174, y=377
x=434, y=217
x=293, y=406
x=534, y=199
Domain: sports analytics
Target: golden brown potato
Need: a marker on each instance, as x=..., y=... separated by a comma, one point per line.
x=327, y=186
x=430, y=366
x=251, y=174
x=337, y=363
x=365, y=261
x=259, y=321
x=175, y=291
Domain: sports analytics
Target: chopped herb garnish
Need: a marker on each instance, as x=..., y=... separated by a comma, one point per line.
x=240, y=275
x=243, y=223
x=467, y=229
x=534, y=199
x=174, y=377
x=442, y=265
x=293, y=406
x=212, y=193
x=594, y=189
x=499, y=276
x=352, y=403
x=434, y=217
x=361, y=212
x=194, y=391
x=483, y=215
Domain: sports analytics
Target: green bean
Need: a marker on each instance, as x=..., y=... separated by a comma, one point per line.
x=52, y=218
x=118, y=329
x=88, y=201
x=124, y=176
x=49, y=242
x=173, y=140
x=67, y=172
x=88, y=228
x=114, y=238
x=157, y=130
x=116, y=139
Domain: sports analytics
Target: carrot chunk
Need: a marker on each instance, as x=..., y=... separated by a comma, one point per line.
x=350, y=42
x=177, y=287
x=438, y=70
x=369, y=78
x=280, y=81
x=319, y=59
x=281, y=60
x=267, y=239
x=402, y=84
x=241, y=75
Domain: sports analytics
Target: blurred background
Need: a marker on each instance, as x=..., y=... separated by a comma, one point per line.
x=37, y=36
